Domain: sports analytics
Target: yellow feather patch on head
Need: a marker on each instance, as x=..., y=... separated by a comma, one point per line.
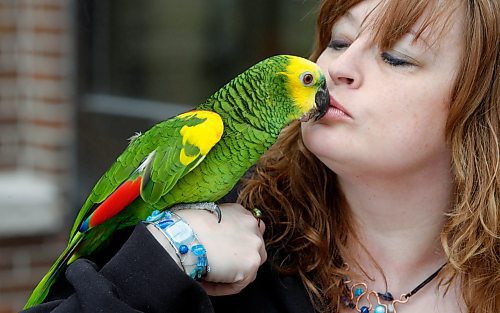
x=203, y=136
x=303, y=96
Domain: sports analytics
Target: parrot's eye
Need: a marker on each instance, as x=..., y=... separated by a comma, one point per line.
x=307, y=78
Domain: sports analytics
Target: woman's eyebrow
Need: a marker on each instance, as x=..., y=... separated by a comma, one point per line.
x=351, y=18
x=418, y=38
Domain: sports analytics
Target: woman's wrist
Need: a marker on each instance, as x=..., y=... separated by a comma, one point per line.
x=180, y=241
x=163, y=241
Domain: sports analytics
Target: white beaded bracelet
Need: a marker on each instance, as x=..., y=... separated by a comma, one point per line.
x=189, y=250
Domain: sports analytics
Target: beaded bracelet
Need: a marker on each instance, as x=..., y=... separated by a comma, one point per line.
x=183, y=239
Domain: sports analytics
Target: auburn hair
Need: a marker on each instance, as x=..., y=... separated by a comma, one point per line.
x=307, y=229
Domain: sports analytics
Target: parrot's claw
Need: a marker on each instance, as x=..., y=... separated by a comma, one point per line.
x=207, y=206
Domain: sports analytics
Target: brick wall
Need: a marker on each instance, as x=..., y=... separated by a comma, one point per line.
x=9, y=136
x=23, y=263
x=38, y=74
x=36, y=140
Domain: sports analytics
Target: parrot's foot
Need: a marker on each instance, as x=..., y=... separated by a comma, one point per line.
x=207, y=206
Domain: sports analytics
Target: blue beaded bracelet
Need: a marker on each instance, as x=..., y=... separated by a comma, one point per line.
x=183, y=239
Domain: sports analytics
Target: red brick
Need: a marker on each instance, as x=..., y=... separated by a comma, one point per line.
x=6, y=308
x=51, y=99
x=47, y=6
x=48, y=123
x=47, y=54
x=40, y=29
x=13, y=302
x=8, y=120
x=7, y=29
x=19, y=241
x=46, y=76
x=44, y=146
x=51, y=170
x=11, y=74
x=7, y=166
x=12, y=283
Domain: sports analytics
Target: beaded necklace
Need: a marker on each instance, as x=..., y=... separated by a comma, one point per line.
x=356, y=292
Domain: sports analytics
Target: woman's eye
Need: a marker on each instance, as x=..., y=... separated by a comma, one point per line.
x=338, y=45
x=394, y=61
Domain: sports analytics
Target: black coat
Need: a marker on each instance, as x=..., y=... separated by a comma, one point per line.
x=141, y=277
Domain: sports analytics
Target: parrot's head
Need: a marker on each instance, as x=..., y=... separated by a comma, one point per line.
x=272, y=93
x=302, y=91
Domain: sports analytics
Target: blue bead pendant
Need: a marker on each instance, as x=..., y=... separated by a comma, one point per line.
x=379, y=309
x=358, y=292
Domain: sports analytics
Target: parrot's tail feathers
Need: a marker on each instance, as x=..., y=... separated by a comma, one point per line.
x=42, y=289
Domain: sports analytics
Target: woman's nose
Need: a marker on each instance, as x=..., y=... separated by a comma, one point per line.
x=341, y=78
x=345, y=67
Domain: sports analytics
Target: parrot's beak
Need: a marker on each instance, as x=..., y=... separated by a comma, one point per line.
x=322, y=100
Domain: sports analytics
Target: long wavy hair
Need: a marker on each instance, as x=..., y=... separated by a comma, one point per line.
x=307, y=217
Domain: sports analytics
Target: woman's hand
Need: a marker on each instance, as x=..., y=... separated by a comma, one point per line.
x=235, y=247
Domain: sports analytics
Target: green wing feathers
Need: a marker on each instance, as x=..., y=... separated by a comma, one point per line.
x=179, y=150
x=172, y=161
x=163, y=155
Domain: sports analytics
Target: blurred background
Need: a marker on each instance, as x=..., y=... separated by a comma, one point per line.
x=77, y=78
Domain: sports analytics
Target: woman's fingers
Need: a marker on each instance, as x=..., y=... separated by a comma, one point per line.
x=235, y=247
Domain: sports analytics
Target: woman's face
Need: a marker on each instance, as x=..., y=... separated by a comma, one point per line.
x=388, y=109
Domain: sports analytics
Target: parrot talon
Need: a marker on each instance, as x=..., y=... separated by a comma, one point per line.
x=207, y=206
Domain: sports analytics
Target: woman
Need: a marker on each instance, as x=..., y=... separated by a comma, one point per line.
x=395, y=191
x=411, y=148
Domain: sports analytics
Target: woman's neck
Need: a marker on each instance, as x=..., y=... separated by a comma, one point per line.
x=398, y=221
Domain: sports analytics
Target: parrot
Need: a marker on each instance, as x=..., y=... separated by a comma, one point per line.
x=194, y=157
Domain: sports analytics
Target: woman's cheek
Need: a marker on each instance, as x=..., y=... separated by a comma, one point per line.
x=311, y=137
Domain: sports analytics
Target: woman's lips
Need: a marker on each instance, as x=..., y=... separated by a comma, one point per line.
x=334, y=104
x=336, y=111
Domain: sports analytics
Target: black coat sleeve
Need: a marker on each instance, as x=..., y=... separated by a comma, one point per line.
x=140, y=277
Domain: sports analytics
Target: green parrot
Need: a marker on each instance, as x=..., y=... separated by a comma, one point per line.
x=194, y=157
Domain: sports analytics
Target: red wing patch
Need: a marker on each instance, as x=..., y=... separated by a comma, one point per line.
x=114, y=204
